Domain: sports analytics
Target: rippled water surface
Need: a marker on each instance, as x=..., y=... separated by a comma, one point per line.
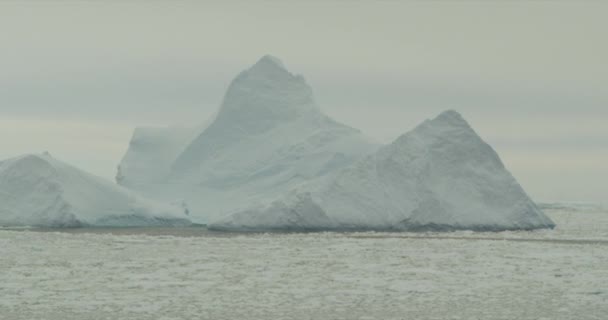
x=192, y=273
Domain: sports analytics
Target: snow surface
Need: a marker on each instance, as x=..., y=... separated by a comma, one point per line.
x=39, y=190
x=439, y=176
x=268, y=137
x=187, y=273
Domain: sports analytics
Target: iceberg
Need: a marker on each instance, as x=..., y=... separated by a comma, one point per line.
x=269, y=136
x=40, y=191
x=440, y=176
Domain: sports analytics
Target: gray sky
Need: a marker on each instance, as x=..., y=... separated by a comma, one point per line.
x=530, y=77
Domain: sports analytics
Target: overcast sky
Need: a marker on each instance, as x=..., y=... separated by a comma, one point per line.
x=531, y=77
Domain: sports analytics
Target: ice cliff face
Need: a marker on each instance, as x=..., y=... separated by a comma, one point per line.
x=151, y=154
x=439, y=176
x=38, y=190
x=268, y=137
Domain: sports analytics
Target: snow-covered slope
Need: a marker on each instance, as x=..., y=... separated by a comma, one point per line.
x=38, y=190
x=268, y=137
x=439, y=176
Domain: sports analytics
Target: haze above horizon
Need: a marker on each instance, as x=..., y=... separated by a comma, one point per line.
x=529, y=77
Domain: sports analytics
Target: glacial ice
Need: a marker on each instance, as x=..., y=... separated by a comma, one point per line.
x=439, y=176
x=41, y=191
x=268, y=137
x=271, y=160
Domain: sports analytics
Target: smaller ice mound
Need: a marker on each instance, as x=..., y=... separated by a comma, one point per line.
x=440, y=176
x=40, y=191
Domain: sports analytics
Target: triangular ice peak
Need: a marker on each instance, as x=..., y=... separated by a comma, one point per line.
x=264, y=95
x=447, y=120
x=451, y=117
x=259, y=100
x=267, y=63
x=439, y=176
x=449, y=127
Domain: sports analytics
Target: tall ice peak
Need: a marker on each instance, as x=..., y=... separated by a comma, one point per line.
x=264, y=93
x=447, y=126
x=264, y=98
x=269, y=61
x=451, y=117
x=269, y=68
x=445, y=122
